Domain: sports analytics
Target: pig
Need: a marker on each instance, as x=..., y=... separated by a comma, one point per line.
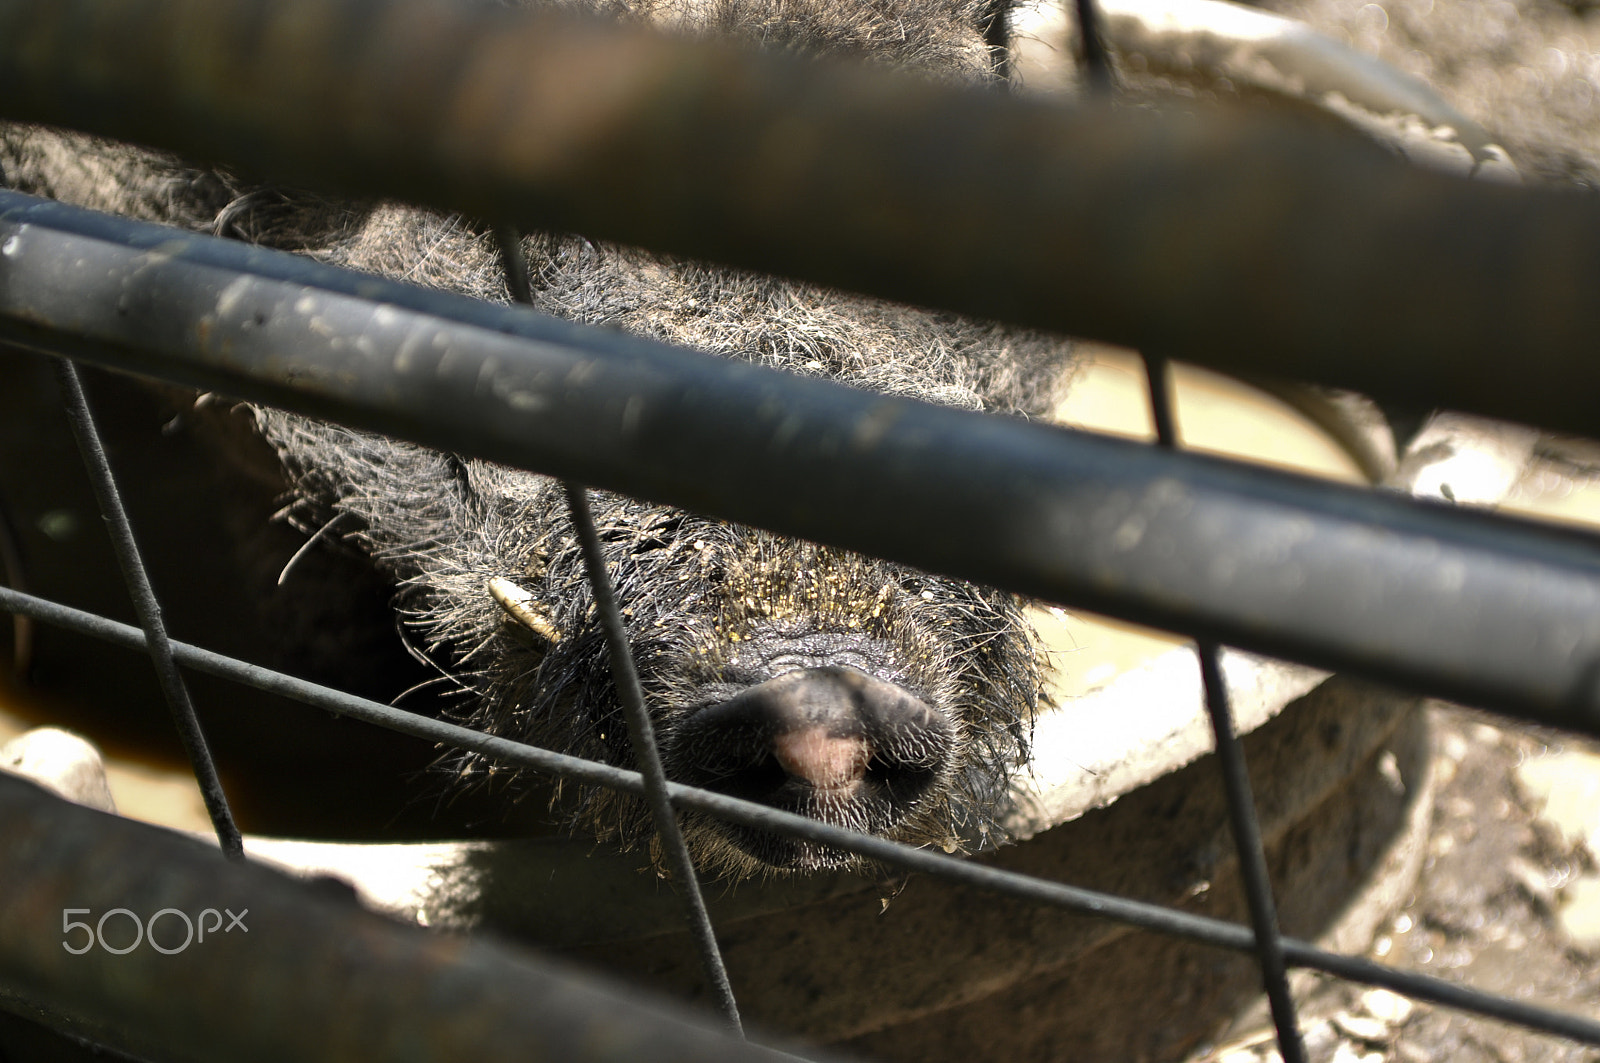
x=862, y=693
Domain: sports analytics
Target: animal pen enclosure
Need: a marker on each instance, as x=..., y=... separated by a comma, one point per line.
x=1134, y=237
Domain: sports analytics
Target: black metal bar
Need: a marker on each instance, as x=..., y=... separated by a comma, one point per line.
x=1163, y=410
x=1472, y=607
x=642, y=735
x=1135, y=913
x=1220, y=236
x=148, y=608
x=1252, y=856
x=1096, y=56
x=304, y=974
x=1242, y=817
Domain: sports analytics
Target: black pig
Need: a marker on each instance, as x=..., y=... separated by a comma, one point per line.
x=818, y=681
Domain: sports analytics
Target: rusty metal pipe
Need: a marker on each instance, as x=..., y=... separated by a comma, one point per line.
x=1224, y=238
x=1468, y=606
x=306, y=973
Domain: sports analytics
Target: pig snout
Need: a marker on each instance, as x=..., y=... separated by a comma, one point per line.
x=833, y=743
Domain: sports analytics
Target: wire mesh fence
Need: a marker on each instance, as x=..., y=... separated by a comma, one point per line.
x=1296, y=953
x=1032, y=509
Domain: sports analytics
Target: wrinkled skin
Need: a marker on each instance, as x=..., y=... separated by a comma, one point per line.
x=859, y=692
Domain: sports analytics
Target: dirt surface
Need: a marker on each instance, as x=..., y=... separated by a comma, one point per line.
x=1501, y=883
x=1505, y=901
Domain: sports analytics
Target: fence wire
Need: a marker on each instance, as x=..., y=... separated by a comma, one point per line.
x=1264, y=941
x=1242, y=817
x=1023, y=506
x=148, y=608
x=641, y=734
x=1151, y=917
x=1574, y=703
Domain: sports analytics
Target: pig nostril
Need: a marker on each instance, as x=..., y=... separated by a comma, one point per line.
x=822, y=760
x=756, y=782
x=901, y=781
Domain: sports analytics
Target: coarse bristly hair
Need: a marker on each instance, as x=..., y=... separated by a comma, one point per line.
x=700, y=597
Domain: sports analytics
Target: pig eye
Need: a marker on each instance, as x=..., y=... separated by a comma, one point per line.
x=645, y=546
x=668, y=526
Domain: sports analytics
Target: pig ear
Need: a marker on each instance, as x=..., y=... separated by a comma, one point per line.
x=522, y=607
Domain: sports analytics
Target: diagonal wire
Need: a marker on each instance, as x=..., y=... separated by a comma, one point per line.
x=640, y=732
x=11, y=572
x=644, y=749
x=1140, y=914
x=1252, y=858
x=515, y=264
x=147, y=607
x=1223, y=934
x=1236, y=777
x=1096, y=56
x=1163, y=410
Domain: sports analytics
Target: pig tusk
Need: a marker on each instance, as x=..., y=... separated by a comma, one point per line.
x=522, y=608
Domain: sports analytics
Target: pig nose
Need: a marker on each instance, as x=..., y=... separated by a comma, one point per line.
x=826, y=761
x=824, y=730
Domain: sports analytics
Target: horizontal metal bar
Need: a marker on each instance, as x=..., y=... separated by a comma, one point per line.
x=301, y=976
x=1481, y=609
x=1135, y=913
x=1222, y=237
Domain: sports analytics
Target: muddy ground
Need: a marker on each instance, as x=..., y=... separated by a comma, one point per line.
x=1506, y=902
x=1507, y=899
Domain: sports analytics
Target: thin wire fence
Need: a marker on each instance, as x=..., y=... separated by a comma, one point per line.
x=1144, y=916
x=1264, y=941
x=1019, y=505
x=1242, y=817
x=1274, y=952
